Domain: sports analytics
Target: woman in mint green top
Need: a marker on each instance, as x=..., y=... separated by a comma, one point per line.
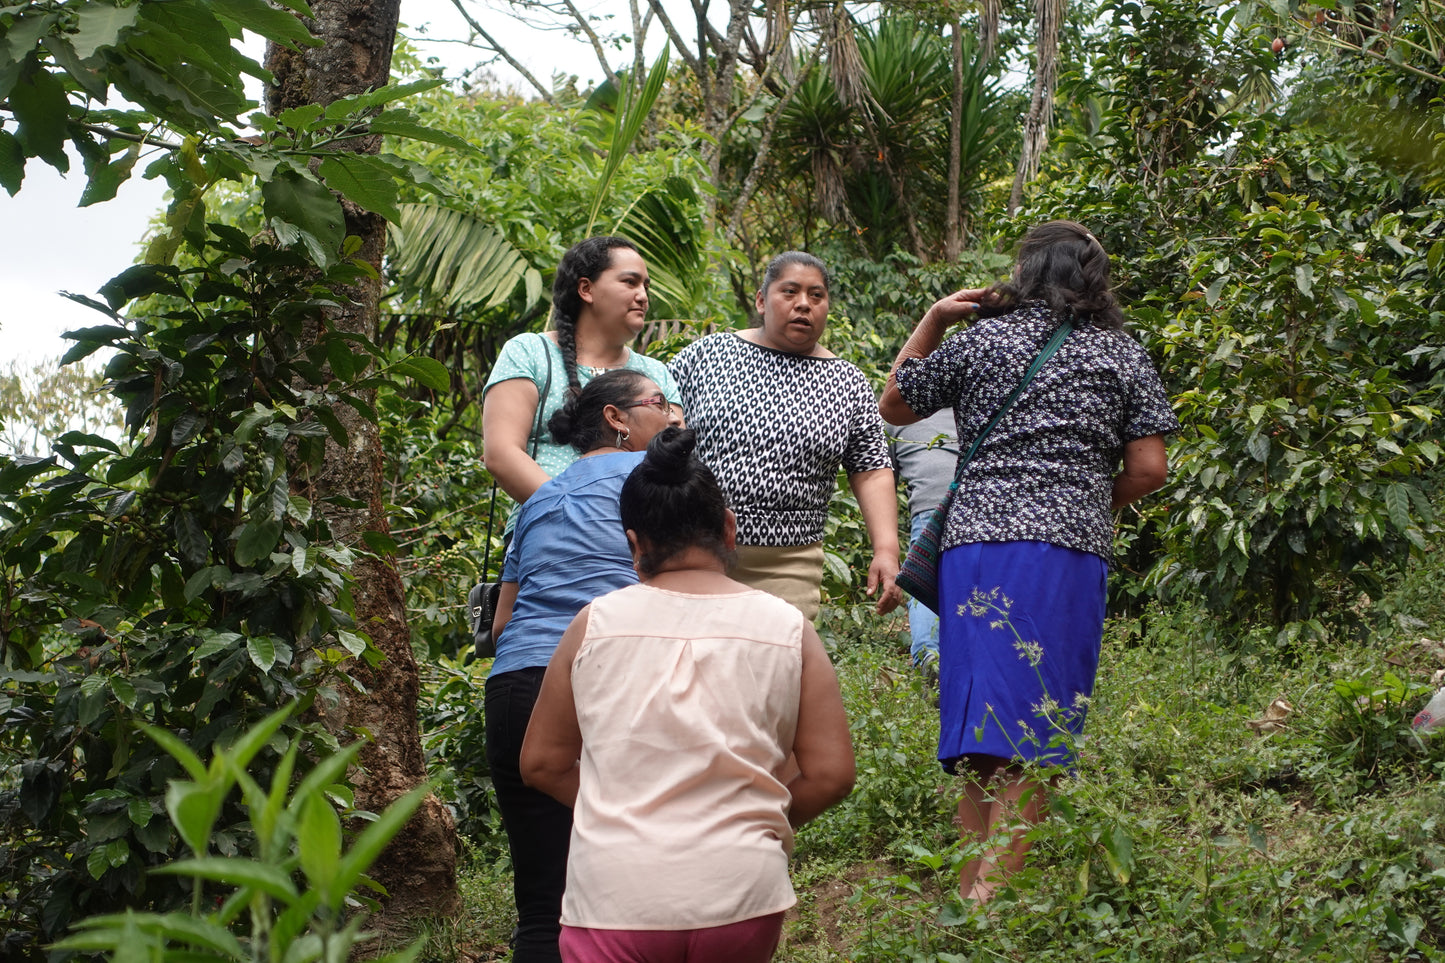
x=599, y=306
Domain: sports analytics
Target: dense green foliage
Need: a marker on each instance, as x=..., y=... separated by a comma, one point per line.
x=184, y=576
x=1278, y=231
x=298, y=834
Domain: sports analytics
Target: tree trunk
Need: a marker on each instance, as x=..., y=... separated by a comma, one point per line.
x=1041, y=106
x=419, y=868
x=953, y=242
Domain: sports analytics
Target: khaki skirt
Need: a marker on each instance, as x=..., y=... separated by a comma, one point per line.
x=794, y=573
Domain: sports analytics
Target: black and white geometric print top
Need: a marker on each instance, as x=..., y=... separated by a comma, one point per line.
x=775, y=427
x=1046, y=471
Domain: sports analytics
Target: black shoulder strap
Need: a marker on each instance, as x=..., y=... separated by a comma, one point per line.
x=542, y=398
x=1048, y=350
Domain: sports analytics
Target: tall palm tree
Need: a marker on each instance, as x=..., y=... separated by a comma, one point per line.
x=874, y=162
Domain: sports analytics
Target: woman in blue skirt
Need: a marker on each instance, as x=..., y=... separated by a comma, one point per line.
x=1029, y=535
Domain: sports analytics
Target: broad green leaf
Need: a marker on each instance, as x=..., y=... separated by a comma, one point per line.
x=299, y=508
x=838, y=568
x=193, y=808
x=271, y=880
x=300, y=208
x=350, y=641
x=1304, y=279
x=280, y=496
x=96, y=863
x=195, y=548
x=262, y=649
x=123, y=690
x=270, y=22
x=24, y=33
x=187, y=425
x=1211, y=293
x=99, y=25
x=1397, y=504
x=304, y=558
x=12, y=162
x=140, y=812
x=252, y=420
x=40, y=109
x=364, y=181
x=258, y=539
x=319, y=844
x=428, y=371
x=361, y=103
x=105, y=181
x=1119, y=854
x=342, y=359
x=403, y=123
x=212, y=576
x=301, y=118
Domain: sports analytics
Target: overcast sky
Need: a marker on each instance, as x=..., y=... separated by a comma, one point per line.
x=47, y=244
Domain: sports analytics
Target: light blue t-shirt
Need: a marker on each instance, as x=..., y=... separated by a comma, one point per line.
x=526, y=356
x=569, y=548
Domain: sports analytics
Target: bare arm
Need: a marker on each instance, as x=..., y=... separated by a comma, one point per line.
x=508, y=413
x=553, y=743
x=877, y=494
x=1146, y=465
x=506, y=599
x=926, y=338
x=823, y=747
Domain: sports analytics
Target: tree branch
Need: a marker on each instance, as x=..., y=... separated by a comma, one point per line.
x=683, y=49
x=592, y=38
x=501, y=52
x=765, y=142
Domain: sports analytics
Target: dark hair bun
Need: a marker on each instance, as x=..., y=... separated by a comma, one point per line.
x=669, y=456
x=673, y=502
x=562, y=420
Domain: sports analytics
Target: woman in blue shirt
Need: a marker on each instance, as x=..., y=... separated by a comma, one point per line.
x=568, y=548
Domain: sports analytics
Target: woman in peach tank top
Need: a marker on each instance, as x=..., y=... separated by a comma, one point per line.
x=692, y=723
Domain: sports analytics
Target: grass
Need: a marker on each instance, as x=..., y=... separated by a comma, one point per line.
x=1186, y=835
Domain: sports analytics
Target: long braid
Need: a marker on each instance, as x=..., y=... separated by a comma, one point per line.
x=567, y=341
x=586, y=259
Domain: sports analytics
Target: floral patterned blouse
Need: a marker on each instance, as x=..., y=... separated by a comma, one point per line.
x=1046, y=471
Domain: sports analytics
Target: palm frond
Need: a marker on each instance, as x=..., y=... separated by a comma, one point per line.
x=452, y=260
x=630, y=117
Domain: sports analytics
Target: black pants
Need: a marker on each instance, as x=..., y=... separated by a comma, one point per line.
x=538, y=827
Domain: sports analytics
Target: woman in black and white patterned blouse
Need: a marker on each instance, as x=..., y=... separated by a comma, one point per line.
x=776, y=415
x=1029, y=536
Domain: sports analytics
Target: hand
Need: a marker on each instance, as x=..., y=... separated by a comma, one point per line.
x=881, y=573
x=959, y=305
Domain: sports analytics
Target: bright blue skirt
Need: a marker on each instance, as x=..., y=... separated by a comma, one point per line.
x=1019, y=638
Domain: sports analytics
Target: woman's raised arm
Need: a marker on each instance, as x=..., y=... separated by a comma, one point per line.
x=926, y=337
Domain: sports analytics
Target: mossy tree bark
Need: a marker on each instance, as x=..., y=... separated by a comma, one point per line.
x=419, y=868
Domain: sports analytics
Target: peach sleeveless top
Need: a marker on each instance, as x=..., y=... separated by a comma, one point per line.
x=688, y=705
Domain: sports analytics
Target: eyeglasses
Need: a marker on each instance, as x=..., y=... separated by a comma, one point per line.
x=658, y=400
